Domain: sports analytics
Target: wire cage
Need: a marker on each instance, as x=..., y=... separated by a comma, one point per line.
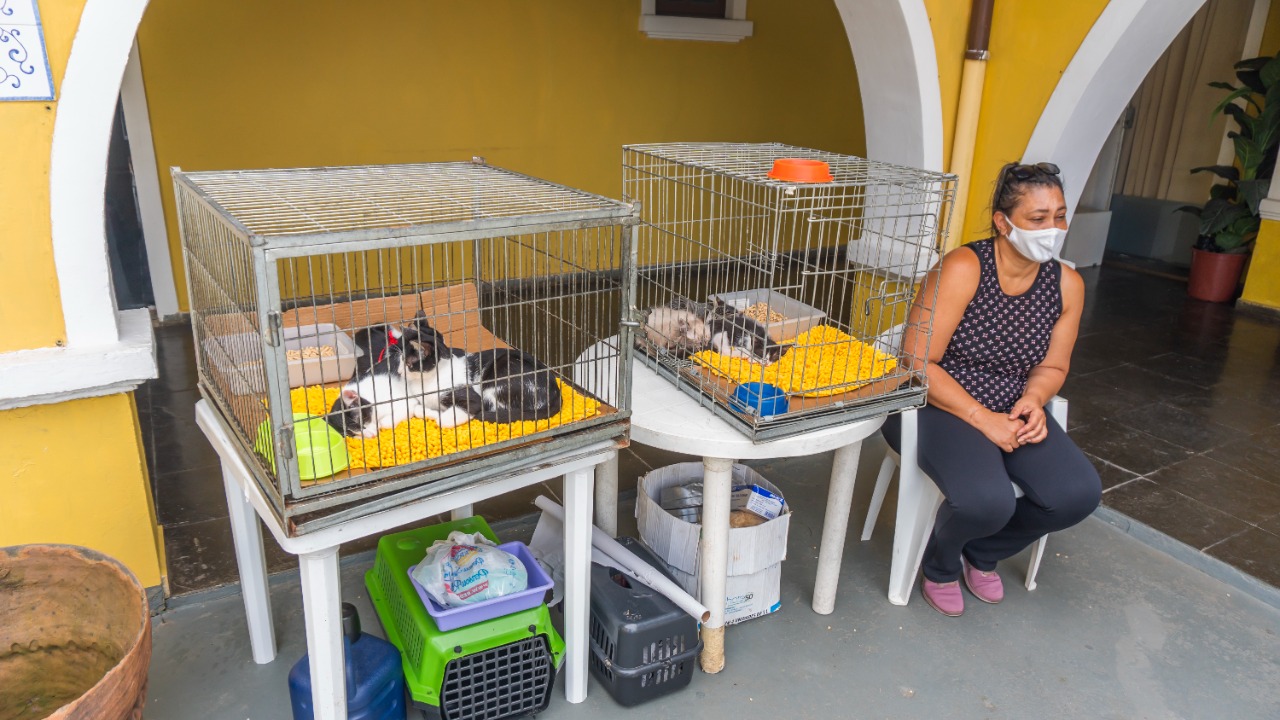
x=371, y=335
x=777, y=292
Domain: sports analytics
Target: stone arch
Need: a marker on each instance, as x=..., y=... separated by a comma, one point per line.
x=897, y=66
x=1106, y=70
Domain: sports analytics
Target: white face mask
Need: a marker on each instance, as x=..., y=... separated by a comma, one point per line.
x=1036, y=245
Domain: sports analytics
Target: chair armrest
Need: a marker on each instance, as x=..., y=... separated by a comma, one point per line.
x=1058, y=409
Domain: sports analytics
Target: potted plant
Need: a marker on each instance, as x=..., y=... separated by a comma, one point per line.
x=1229, y=221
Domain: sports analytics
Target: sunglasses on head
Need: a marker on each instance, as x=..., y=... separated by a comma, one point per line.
x=1026, y=172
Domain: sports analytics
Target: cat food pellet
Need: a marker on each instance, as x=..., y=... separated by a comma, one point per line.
x=761, y=313
x=311, y=351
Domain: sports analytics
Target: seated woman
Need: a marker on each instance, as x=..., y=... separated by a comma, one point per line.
x=1004, y=325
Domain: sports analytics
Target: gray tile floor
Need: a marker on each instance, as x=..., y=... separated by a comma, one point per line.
x=1174, y=400
x=1115, y=630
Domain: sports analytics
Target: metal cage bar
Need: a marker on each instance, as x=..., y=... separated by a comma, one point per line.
x=824, y=272
x=367, y=331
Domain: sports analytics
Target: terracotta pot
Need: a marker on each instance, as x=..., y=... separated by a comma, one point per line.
x=75, y=639
x=1215, y=276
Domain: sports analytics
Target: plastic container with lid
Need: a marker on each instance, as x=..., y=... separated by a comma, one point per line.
x=375, y=677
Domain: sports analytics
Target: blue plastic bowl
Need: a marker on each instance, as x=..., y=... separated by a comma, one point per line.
x=760, y=399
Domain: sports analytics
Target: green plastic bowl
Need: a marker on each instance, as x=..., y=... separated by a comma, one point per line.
x=321, y=450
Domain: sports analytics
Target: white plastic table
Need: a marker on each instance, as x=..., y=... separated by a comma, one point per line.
x=318, y=558
x=663, y=416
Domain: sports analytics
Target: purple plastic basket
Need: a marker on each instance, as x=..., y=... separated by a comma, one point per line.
x=531, y=597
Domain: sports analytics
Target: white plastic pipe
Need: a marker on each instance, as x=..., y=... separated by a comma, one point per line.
x=628, y=560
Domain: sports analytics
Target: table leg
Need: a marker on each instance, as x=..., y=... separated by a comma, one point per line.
x=839, y=499
x=915, y=515
x=717, y=487
x=577, y=580
x=607, y=496
x=322, y=606
x=251, y=559
x=462, y=513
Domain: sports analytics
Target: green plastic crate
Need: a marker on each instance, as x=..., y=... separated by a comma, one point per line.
x=426, y=651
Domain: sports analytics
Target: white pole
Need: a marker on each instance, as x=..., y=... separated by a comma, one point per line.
x=628, y=560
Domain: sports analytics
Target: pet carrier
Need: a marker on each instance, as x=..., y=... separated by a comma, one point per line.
x=372, y=335
x=498, y=668
x=774, y=291
x=642, y=645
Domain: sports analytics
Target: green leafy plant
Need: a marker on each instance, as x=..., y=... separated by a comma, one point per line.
x=1229, y=221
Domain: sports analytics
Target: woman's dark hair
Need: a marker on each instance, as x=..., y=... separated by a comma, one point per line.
x=1013, y=182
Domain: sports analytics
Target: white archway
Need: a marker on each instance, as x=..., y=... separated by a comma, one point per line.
x=106, y=352
x=78, y=168
x=1120, y=49
x=897, y=66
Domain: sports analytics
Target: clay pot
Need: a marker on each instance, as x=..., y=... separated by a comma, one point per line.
x=1215, y=276
x=75, y=639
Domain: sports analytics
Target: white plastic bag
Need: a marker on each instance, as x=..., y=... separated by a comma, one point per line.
x=467, y=569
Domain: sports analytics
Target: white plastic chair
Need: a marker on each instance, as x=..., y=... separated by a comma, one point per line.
x=919, y=497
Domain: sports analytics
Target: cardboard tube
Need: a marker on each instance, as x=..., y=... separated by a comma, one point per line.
x=643, y=571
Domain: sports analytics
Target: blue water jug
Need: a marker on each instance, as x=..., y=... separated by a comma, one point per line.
x=375, y=678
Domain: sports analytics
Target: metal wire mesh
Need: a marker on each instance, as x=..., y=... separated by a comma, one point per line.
x=268, y=203
x=823, y=272
x=349, y=370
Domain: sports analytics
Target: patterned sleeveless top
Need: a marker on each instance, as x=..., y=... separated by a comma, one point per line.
x=1001, y=337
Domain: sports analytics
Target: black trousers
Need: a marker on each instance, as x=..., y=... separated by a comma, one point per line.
x=980, y=517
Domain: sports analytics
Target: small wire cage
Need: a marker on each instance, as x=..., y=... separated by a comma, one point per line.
x=780, y=303
x=371, y=335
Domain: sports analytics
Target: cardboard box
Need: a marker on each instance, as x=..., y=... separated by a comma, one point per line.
x=755, y=553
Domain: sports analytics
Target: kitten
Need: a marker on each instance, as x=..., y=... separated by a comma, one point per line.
x=377, y=396
x=677, y=331
x=737, y=335
x=499, y=385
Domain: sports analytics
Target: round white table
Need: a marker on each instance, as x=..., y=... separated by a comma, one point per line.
x=663, y=416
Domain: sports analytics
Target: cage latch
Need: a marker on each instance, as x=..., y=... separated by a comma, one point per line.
x=285, y=447
x=275, y=325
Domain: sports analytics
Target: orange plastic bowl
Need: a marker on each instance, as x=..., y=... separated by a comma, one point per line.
x=800, y=170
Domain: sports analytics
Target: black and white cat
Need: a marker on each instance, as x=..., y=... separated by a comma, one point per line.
x=377, y=396
x=737, y=335
x=499, y=385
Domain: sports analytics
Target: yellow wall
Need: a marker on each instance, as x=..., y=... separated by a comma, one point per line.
x=30, y=309
x=74, y=473
x=949, y=21
x=1262, y=286
x=1032, y=42
x=552, y=89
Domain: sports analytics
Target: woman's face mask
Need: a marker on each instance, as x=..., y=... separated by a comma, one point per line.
x=1036, y=245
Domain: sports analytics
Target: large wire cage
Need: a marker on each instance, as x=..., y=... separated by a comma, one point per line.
x=781, y=303
x=371, y=335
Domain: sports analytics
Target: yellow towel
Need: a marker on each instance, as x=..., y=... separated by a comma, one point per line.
x=824, y=361
x=417, y=439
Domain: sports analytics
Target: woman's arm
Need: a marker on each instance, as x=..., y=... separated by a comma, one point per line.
x=956, y=281
x=1045, y=380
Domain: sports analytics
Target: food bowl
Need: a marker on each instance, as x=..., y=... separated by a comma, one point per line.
x=321, y=450
x=801, y=170
x=760, y=399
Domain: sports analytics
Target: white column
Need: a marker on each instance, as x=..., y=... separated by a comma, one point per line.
x=251, y=559
x=607, y=496
x=577, y=580
x=717, y=486
x=844, y=472
x=322, y=605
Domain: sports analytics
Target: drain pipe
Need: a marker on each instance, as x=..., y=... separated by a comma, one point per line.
x=967, y=112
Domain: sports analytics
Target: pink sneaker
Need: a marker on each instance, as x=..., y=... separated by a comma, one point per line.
x=986, y=586
x=946, y=598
